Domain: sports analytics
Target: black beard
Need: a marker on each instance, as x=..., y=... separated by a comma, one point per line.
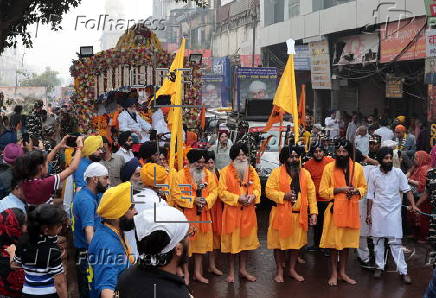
x=342, y=162
x=127, y=146
x=386, y=166
x=100, y=188
x=95, y=158
x=293, y=168
x=126, y=224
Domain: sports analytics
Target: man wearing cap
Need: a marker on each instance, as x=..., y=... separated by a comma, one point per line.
x=91, y=152
x=125, y=142
x=239, y=189
x=151, y=175
x=343, y=183
x=197, y=205
x=85, y=219
x=385, y=187
x=292, y=190
x=221, y=149
x=163, y=246
x=11, y=152
x=406, y=142
x=108, y=253
x=316, y=166
x=131, y=120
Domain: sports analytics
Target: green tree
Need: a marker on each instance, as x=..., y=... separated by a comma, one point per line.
x=17, y=15
x=49, y=79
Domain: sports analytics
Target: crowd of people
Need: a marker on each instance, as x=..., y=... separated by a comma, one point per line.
x=136, y=224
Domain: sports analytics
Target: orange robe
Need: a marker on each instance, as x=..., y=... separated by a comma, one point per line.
x=288, y=224
x=316, y=169
x=239, y=227
x=202, y=241
x=216, y=214
x=342, y=225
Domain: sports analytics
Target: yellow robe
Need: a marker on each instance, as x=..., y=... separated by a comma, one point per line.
x=299, y=236
x=333, y=236
x=233, y=242
x=202, y=242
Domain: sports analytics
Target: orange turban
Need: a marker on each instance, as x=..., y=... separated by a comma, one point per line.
x=400, y=128
x=148, y=174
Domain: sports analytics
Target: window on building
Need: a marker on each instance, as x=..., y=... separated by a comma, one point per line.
x=274, y=11
x=294, y=8
x=323, y=4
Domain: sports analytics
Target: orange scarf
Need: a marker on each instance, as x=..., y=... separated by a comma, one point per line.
x=191, y=213
x=345, y=210
x=239, y=216
x=216, y=214
x=283, y=218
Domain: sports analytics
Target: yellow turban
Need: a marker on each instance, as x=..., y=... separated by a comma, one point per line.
x=401, y=119
x=115, y=202
x=91, y=144
x=147, y=174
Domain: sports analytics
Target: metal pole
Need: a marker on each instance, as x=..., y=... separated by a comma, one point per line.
x=254, y=16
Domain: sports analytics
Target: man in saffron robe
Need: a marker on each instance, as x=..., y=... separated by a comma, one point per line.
x=292, y=190
x=343, y=183
x=197, y=205
x=239, y=189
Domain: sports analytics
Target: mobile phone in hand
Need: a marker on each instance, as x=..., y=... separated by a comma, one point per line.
x=71, y=141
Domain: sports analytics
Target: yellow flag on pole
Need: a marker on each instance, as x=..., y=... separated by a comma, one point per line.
x=175, y=116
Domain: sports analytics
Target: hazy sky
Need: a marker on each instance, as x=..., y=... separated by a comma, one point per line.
x=58, y=48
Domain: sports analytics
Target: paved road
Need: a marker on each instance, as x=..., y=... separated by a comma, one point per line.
x=316, y=274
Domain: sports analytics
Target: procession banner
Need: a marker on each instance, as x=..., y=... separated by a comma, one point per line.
x=255, y=83
x=213, y=92
x=396, y=36
x=356, y=49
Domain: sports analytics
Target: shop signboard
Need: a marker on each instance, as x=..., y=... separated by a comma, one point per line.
x=320, y=65
x=302, y=57
x=403, y=40
x=255, y=83
x=394, y=87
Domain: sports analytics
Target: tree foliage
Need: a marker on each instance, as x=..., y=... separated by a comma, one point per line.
x=17, y=15
x=49, y=78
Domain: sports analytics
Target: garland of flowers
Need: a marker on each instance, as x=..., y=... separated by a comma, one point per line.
x=137, y=47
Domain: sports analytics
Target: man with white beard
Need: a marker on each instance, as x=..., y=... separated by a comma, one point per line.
x=239, y=189
x=196, y=206
x=385, y=187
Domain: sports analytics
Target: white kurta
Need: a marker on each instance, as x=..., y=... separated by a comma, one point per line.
x=158, y=123
x=385, y=192
x=364, y=228
x=142, y=200
x=127, y=154
x=128, y=123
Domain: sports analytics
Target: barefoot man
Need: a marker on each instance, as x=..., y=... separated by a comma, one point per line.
x=293, y=192
x=343, y=183
x=239, y=189
x=196, y=207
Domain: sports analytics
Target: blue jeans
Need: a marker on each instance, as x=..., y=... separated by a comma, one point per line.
x=431, y=289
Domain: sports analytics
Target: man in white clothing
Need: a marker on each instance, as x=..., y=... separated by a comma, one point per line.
x=385, y=187
x=158, y=122
x=332, y=125
x=384, y=131
x=362, y=140
x=129, y=119
x=125, y=142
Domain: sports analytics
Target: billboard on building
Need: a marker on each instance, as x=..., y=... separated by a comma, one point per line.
x=221, y=66
x=403, y=40
x=213, y=91
x=255, y=83
x=302, y=57
x=320, y=68
x=356, y=49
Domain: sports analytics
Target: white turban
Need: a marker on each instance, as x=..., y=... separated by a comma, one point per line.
x=389, y=143
x=95, y=169
x=257, y=86
x=168, y=219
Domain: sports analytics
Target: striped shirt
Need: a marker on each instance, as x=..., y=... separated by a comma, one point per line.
x=40, y=265
x=40, y=191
